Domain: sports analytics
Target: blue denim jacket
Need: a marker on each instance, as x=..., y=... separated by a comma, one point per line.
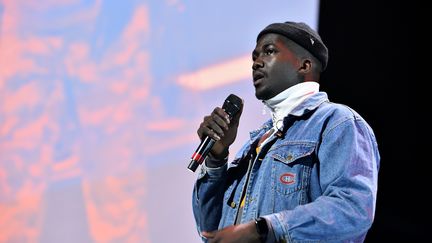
x=317, y=183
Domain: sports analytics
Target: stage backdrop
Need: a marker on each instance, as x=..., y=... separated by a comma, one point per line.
x=99, y=106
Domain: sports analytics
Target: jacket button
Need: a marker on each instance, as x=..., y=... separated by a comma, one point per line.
x=233, y=204
x=289, y=157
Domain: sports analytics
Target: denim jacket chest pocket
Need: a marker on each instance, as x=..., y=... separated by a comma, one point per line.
x=291, y=169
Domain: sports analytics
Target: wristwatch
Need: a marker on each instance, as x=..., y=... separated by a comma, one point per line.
x=262, y=228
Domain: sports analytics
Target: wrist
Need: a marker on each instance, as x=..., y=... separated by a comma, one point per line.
x=219, y=152
x=214, y=162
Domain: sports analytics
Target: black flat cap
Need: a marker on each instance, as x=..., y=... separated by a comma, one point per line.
x=301, y=34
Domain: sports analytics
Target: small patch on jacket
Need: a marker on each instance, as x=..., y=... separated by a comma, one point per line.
x=287, y=178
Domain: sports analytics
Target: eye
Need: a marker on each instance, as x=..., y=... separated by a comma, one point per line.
x=269, y=51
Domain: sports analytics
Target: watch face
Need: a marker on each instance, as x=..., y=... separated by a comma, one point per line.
x=262, y=227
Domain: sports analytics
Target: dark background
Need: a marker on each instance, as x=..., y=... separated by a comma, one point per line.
x=374, y=69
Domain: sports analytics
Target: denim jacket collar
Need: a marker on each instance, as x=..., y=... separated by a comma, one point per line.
x=308, y=105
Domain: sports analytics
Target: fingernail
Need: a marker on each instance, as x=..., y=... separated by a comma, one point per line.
x=217, y=137
x=227, y=119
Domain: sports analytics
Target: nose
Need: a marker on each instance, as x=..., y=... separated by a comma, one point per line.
x=257, y=64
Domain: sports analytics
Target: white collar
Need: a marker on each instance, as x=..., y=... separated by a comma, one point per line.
x=284, y=102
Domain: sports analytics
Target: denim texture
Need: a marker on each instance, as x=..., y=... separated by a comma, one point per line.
x=316, y=183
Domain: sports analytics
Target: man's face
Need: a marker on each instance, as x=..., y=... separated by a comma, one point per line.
x=274, y=66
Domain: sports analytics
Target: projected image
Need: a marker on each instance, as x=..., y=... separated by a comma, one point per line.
x=99, y=106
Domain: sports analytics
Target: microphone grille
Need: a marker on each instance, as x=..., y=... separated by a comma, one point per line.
x=232, y=105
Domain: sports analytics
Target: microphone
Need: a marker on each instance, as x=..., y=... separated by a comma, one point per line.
x=231, y=106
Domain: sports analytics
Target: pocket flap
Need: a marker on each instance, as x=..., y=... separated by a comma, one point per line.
x=287, y=153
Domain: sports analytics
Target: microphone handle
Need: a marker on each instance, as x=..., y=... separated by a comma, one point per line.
x=201, y=153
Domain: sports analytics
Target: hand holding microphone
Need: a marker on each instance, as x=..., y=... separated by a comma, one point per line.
x=218, y=131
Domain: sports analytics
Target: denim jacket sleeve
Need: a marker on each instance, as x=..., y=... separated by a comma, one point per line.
x=207, y=197
x=349, y=162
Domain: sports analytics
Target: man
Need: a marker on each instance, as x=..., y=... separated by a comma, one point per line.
x=309, y=174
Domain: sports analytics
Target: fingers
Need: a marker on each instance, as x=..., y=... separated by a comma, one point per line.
x=218, y=123
x=207, y=234
x=210, y=236
x=222, y=116
x=214, y=125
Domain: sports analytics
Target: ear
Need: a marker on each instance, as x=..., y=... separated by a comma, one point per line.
x=306, y=66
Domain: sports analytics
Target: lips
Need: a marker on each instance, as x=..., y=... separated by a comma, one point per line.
x=257, y=75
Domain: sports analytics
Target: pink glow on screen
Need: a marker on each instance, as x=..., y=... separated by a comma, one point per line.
x=235, y=70
x=99, y=106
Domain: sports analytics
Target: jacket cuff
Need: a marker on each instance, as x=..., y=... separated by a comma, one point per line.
x=279, y=230
x=213, y=173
